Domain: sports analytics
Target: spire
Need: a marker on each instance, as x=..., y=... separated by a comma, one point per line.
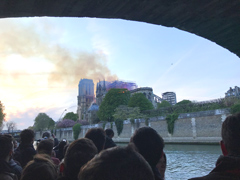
x=104, y=86
x=97, y=89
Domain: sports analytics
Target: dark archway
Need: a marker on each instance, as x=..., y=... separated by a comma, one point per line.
x=218, y=21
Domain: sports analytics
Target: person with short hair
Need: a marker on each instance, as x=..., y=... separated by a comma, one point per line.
x=109, y=142
x=40, y=168
x=25, y=151
x=228, y=164
x=47, y=135
x=150, y=145
x=46, y=147
x=6, y=151
x=78, y=153
x=117, y=163
x=98, y=136
x=59, y=149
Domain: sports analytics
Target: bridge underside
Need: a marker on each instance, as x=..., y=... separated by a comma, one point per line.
x=216, y=20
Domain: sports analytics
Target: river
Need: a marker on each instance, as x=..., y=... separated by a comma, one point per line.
x=187, y=161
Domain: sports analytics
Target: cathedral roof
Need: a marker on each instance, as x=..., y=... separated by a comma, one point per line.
x=93, y=107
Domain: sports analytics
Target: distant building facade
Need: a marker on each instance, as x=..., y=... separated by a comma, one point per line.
x=170, y=97
x=85, y=97
x=148, y=93
x=101, y=91
x=233, y=92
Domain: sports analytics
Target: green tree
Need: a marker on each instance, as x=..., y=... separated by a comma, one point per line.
x=71, y=115
x=2, y=114
x=163, y=104
x=235, y=109
x=171, y=118
x=184, y=102
x=42, y=122
x=51, y=124
x=112, y=100
x=124, y=112
x=139, y=100
x=119, y=126
x=76, y=130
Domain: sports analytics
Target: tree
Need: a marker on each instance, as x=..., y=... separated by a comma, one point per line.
x=163, y=104
x=66, y=123
x=139, y=100
x=2, y=114
x=11, y=126
x=1, y=127
x=71, y=115
x=171, y=118
x=184, y=102
x=42, y=122
x=119, y=126
x=235, y=109
x=112, y=100
x=124, y=112
x=76, y=130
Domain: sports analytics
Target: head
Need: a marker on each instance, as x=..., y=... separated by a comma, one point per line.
x=149, y=144
x=61, y=145
x=15, y=144
x=27, y=136
x=230, y=143
x=117, y=164
x=6, y=147
x=45, y=147
x=78, y=153
x=39, y=168
x=98, y=136
x=162, y=165
x=65, y=149
x=46, y=135
x=109, y=133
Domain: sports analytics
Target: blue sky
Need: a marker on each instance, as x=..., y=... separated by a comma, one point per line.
x=43, y=59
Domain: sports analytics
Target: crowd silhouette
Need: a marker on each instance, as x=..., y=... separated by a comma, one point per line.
x=97, y=157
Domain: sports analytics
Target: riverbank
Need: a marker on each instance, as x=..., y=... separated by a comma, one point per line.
x=190, y=128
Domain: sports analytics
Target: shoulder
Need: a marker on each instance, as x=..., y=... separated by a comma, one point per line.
x=8, y=176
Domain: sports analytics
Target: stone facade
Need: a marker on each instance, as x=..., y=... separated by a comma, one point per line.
x=189, y=128
x=85, y=97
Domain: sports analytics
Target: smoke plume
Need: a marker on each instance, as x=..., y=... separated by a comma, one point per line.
x=36, y=42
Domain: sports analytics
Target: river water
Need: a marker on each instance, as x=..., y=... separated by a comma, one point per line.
x=187, y=161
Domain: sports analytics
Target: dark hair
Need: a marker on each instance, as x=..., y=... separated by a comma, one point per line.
x=46, y=134
x=149, y=144
x=27, y=136
x=6, y=145
x=117, y=164
x=231, y=134
x=109, y=132
x=98, y=136
x=65, y=149
x=45, y=147
x=78, y=153
x=61, y=145
x=39, y=168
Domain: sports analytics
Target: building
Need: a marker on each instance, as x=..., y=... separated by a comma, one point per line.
x=148, y=93
x=104, y=86
x=121, y=85
x=233, y=92
x=170, y=97
x=85, y=97
x=101, y=91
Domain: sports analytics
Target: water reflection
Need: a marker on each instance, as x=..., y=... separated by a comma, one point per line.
x=186, y=161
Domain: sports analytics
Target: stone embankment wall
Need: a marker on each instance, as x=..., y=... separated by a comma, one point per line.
x=200, y=127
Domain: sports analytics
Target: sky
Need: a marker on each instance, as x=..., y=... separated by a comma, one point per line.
x=43, y=59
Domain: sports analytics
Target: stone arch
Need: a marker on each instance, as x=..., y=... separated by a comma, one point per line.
x=217, y=21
